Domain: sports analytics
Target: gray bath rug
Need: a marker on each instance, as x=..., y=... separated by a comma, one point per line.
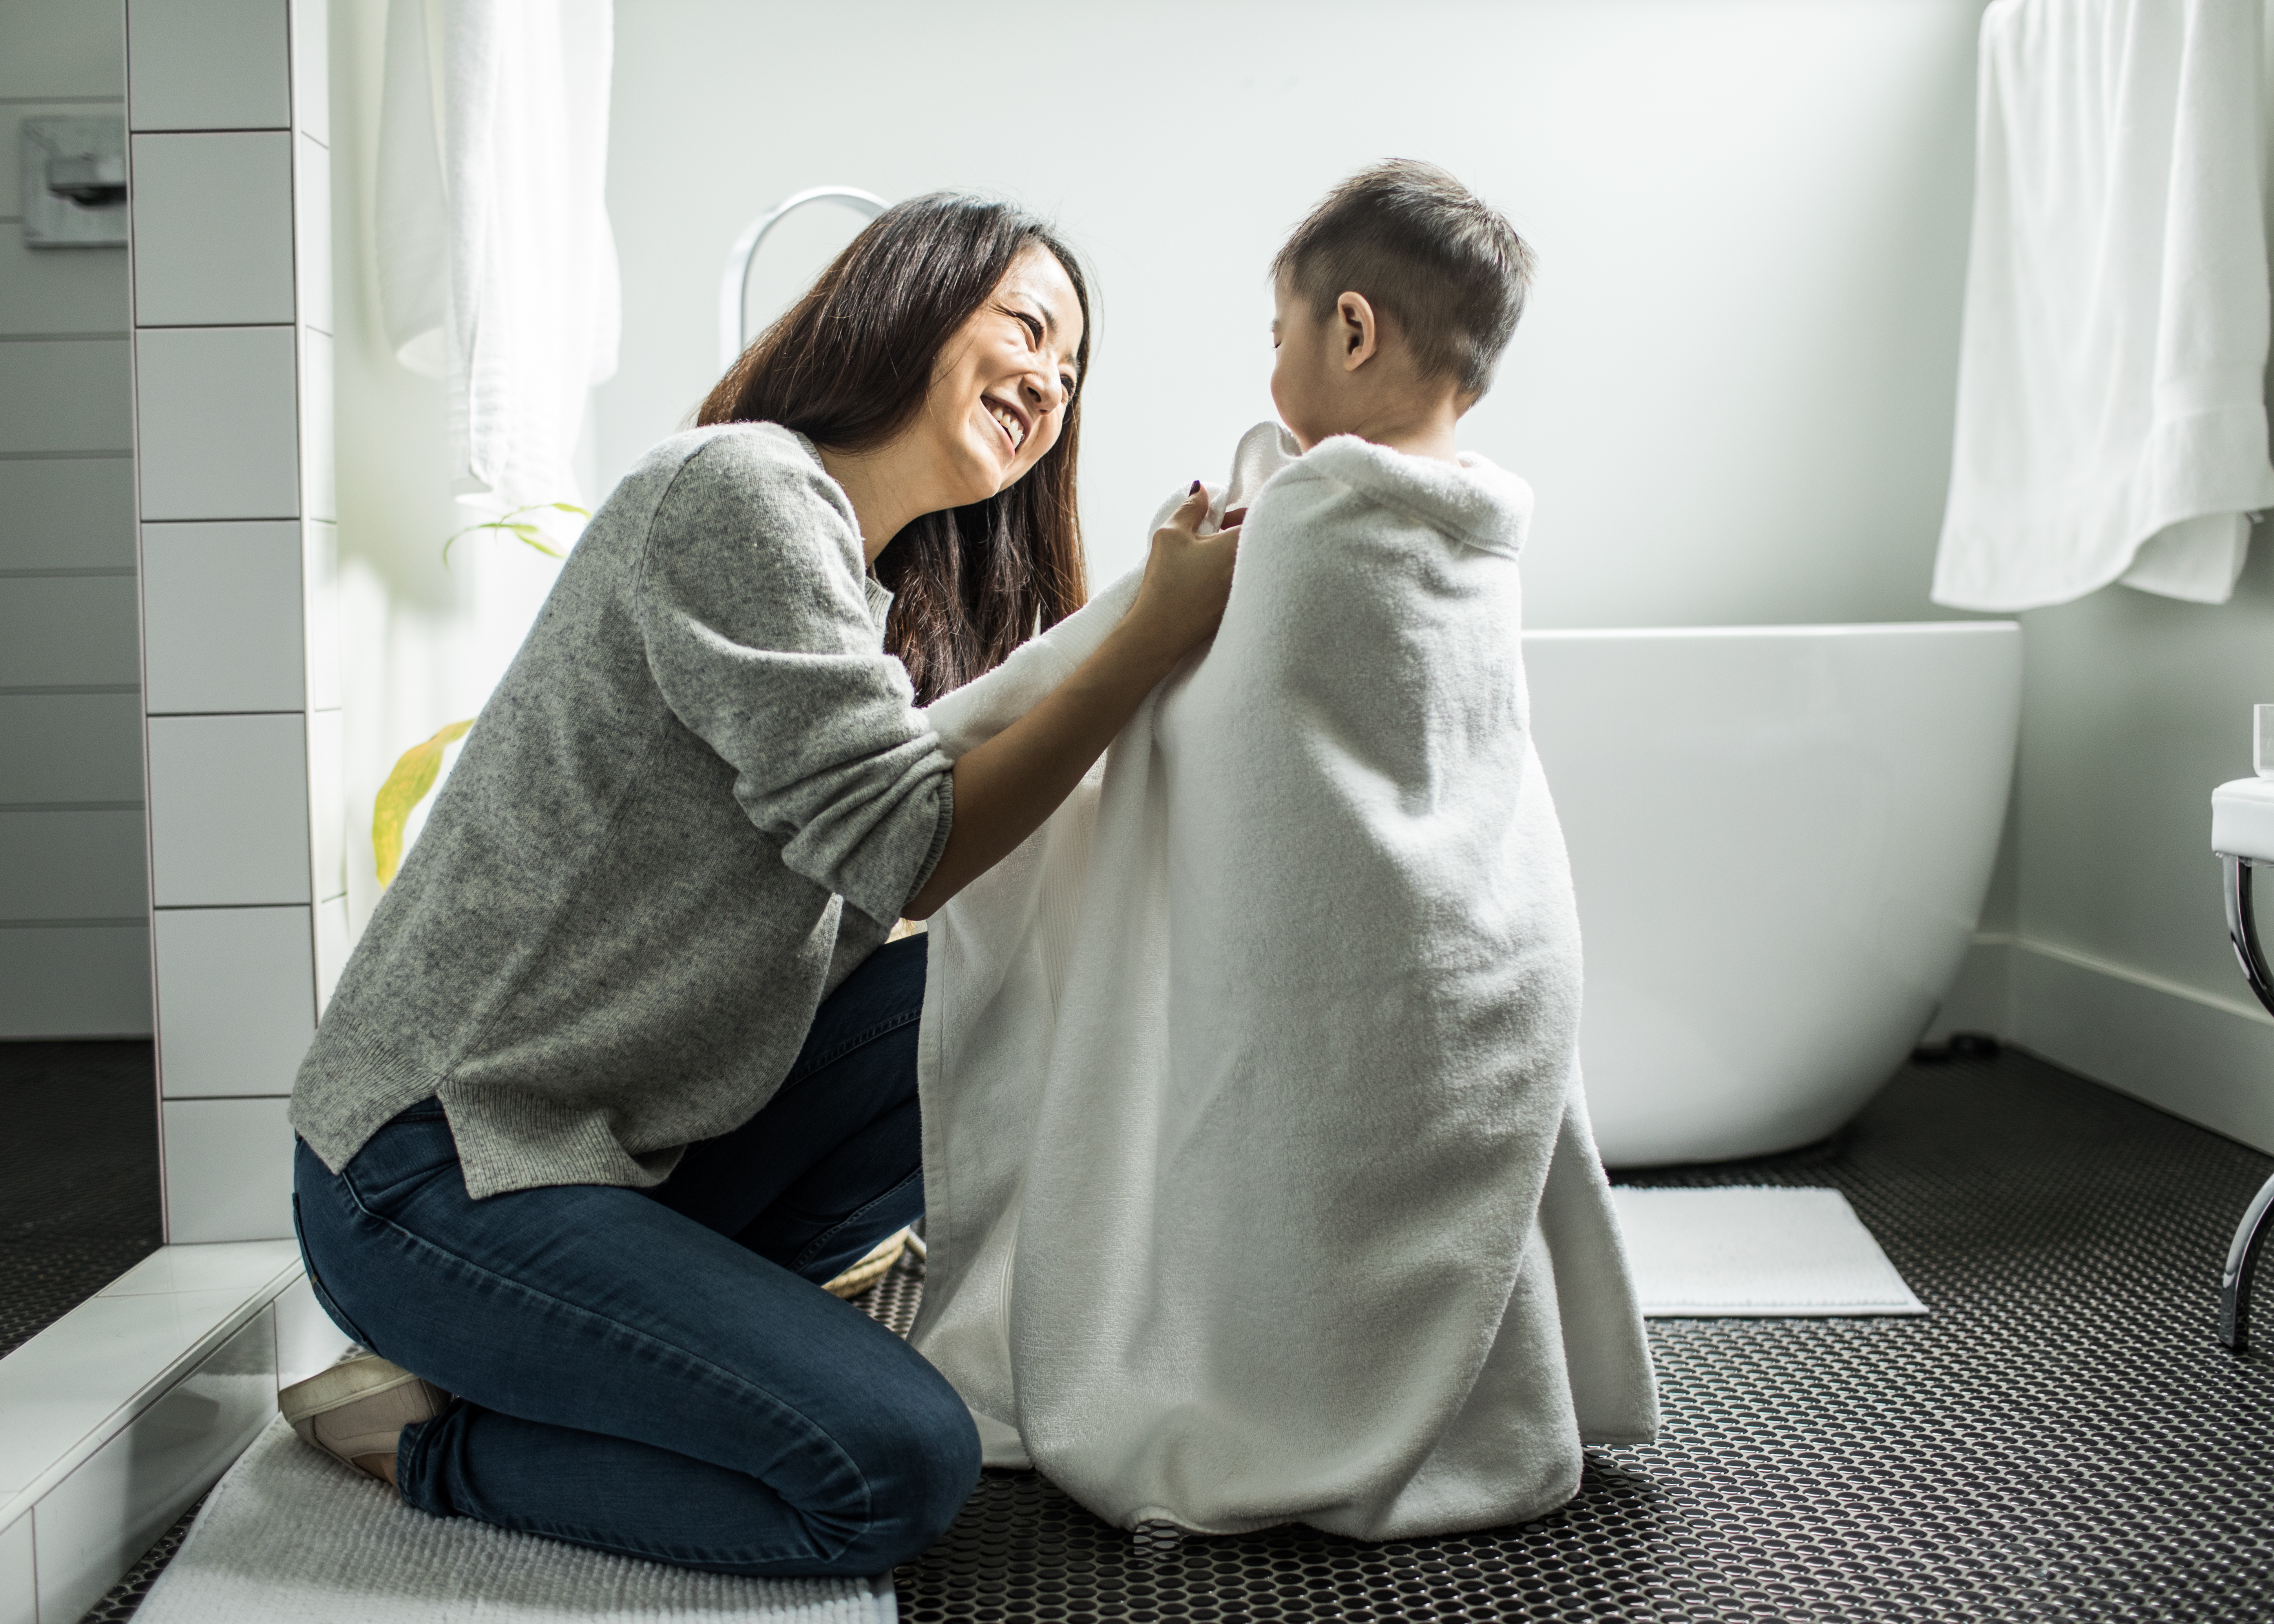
x=1756, y=1253
x=291, y=1536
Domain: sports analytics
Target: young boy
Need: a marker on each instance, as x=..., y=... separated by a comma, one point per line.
x=1395, y=298
x=1394, y=301
x=1260, y=1184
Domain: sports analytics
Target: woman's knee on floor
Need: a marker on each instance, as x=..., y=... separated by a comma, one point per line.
x=920, y=1457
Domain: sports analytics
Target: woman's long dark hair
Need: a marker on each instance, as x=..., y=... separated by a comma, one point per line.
x=849, y=366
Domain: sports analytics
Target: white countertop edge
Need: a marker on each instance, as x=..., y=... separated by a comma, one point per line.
x=154, y=1387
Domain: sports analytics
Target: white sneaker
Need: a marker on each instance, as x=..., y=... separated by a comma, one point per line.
x=357, y=1411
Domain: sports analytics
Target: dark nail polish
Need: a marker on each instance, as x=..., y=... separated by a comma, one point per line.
x=1195, y=491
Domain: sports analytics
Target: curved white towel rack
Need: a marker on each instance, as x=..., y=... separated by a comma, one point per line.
x=734, y=288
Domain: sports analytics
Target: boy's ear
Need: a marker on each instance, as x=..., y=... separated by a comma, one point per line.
x=1358, y=333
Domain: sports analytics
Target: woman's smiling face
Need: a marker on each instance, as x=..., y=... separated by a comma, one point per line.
x=1002, y=386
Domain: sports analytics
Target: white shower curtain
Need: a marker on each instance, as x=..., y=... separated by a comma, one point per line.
x=497, y=269
x=2111, y=423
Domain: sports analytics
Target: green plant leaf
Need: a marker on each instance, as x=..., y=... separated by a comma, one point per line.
x=532, y=536
x=415, y=772
x=527, y=533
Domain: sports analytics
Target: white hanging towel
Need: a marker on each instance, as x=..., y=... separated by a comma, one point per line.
x=497, y=269
x=1259, y=1183
x=2110, y=419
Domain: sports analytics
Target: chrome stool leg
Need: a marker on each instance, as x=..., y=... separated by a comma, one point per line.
x=2241, y=1267
x=2250, y=1237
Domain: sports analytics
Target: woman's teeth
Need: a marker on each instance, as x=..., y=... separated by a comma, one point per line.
x=1012, y=426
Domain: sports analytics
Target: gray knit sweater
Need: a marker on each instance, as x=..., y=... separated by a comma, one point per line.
x=701, y=795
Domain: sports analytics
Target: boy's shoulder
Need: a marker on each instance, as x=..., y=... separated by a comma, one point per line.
x=1478, y=503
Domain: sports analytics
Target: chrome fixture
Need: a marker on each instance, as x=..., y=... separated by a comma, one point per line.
x=2249, y=1243
x=734, y=288
x=74, y=182
x=2242, y=840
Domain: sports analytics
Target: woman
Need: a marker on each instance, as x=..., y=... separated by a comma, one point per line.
x=621, y=1070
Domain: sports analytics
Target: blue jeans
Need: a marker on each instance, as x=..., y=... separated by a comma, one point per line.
x=659, y=1372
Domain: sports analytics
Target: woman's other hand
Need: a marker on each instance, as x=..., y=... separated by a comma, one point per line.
x=1188, y=578
x=1005, y=787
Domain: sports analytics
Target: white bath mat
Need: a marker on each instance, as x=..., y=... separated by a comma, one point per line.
x=1755, y=1252
x=291, y=1536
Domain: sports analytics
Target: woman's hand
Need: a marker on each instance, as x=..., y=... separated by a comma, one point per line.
x=1188, y=578
x=1005, y=787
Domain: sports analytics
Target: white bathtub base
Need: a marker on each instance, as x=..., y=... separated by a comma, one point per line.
x=1781, y=838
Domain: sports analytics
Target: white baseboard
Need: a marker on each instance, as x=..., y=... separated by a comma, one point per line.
x=2196, y=1055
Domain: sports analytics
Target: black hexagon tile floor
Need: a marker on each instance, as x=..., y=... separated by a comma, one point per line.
x=2060, y=1439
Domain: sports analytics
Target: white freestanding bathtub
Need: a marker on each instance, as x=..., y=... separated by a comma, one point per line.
x=1780, y=838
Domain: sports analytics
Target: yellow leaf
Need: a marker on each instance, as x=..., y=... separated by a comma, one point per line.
x=415, y=772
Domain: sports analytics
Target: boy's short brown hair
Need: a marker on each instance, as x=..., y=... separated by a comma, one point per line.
x=1424, y=250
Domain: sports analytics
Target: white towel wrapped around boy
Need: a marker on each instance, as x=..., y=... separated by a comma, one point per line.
x=1259, y=1181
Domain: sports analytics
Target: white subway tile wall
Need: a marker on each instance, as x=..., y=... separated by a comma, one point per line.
x=65, y=397
x=208, y=65
x=311, y=210
x=47, y=293
x=223, y=617
x=332, y=948
x=228, y=1169
x=312, y=72
x=68, y=631
x=71, y=749
x=69, y=514
x=72, y=866
x=75, y=980
x=239, y=581
x=231, y=197
x=219, y=438
x=319, y=462
x=212, y=229
x=228, y=810
x=76, y=50
x=74, y=900
x=328, y=812
x=235, y=999
x=319, y=574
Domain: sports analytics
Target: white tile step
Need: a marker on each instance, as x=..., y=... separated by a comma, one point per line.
x=119, y=1415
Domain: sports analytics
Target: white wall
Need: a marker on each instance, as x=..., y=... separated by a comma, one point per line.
x=2109, y=952
x=1732, y=390
x=2106, y=946
x=423, y=643
x=74, y=936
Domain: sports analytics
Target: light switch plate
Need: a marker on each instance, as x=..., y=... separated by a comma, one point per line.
x=86, y=156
